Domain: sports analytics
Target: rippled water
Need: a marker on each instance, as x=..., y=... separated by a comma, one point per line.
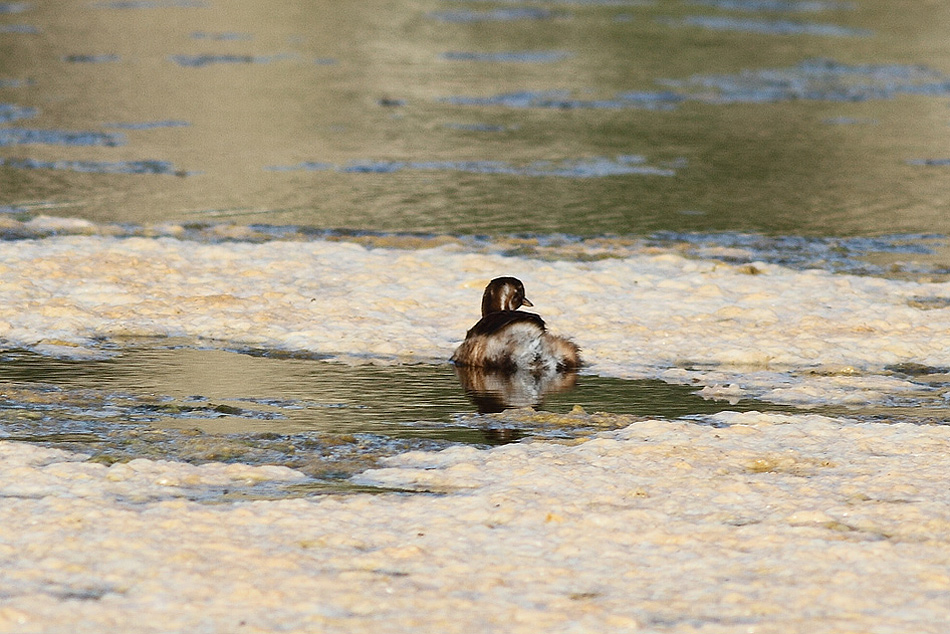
x=793, y=117
x=327, y=419
x=805, y=133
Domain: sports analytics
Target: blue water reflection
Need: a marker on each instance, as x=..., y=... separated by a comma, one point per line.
x=30, y=136
x=572, y=168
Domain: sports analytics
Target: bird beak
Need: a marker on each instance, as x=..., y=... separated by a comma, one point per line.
x=525, y=302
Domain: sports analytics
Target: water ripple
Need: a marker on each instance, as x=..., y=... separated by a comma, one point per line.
x=149, y=125
x=812, y=80
x=227, y=36
x=776, y=6
x=562, y=100
x=15, y=7
x=11, y=112
x=90, y=59
x=95, y=167
x=198, y=61
x=19, y=28
x=152, y=4
x=816, y=79
x=599, y=3
x=30, y=136
x=766, y=27
x=496, y=15
x=593, y=167
x=525, y=57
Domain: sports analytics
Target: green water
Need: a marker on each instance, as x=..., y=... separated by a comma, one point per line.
x=327, y=419
x=267, y=89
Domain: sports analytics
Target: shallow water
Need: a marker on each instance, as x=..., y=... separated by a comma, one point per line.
x=274, y=334
x=330, y=420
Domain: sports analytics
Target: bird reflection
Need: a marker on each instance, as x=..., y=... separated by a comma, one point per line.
x=497, y=390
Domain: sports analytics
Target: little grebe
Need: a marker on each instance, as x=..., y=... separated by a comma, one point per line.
x=509, y=339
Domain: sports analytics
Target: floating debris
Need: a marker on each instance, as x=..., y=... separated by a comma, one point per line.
x=836, y=254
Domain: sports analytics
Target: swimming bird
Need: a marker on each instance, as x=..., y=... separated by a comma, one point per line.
x=509, y=339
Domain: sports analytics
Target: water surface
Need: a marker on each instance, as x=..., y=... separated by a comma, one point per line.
x=328, y=419
x=803, y=118
x=808, y=134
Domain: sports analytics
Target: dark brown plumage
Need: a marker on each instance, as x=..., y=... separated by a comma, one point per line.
x=510, y=339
